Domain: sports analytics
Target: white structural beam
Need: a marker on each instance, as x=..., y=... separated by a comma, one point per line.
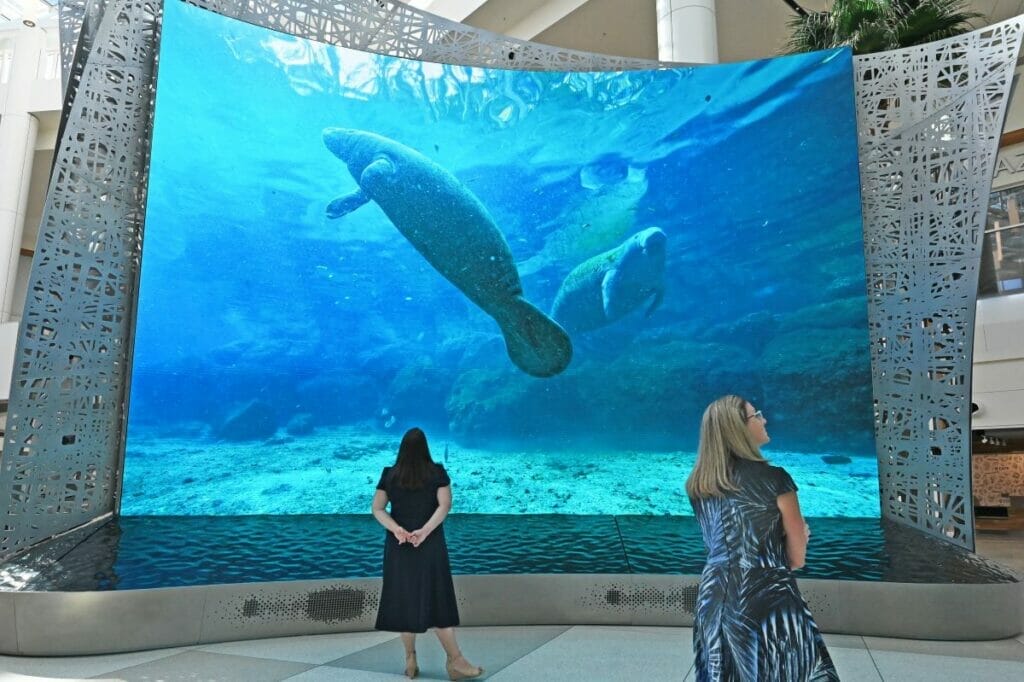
x=455, y=10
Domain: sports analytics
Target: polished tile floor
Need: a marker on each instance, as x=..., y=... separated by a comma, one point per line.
x=536, y=653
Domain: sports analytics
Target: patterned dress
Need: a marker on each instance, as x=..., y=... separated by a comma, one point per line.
x=751, y=623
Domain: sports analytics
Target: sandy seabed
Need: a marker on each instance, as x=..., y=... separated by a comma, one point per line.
x=335, y=470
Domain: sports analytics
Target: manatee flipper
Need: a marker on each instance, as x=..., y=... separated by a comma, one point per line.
x=607, y=293
x=659, y=296
x=377, y=175
x=535, y=343
x=342, y=206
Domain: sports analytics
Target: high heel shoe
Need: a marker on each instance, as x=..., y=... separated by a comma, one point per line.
x=412, y=669
x=461, y=669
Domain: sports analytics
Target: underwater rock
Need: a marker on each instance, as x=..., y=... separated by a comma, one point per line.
x=845, y=312
x=480, y=403
x=647, y=397
x=339, y=397
x=419, y=391
x=255, y=420
x=842, y=287
x=300, y=424
x=835, y=459
x=473, y=350
x=613, y=284
x=453, y=231
x=653, y=395
x=828, y=370
x=752, y=331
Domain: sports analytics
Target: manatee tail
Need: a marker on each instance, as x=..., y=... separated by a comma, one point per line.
x=535, y=342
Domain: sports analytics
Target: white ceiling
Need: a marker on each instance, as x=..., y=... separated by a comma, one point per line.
x=16, y=11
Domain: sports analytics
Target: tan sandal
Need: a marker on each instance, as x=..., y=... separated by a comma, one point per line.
x=461, y=669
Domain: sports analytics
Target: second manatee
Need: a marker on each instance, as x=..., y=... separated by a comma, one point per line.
x=611, y=285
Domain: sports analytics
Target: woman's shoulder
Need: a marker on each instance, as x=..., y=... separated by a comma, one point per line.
x=762, y=466
x=779, y=479
x=441, y=475
x=776, y=477
x=385, y=478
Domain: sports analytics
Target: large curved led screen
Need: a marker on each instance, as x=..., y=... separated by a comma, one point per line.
x=551, y=273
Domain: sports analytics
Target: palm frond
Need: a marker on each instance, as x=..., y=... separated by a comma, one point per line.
x=811, y=32
x=876, y=25
x=931, y=20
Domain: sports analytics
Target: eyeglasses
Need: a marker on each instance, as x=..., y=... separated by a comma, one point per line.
x=756, y=415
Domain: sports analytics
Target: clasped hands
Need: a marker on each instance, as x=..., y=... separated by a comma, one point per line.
x=414, y=538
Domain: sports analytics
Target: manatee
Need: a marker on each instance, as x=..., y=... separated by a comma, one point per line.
x=453, y=231
x=611, y=285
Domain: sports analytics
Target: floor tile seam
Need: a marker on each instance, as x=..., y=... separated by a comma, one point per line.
x=197, y=649
x=181, y=650
x=327, y=663
x=303, y=672
x=515, y=660
x=933, y=654
x=873, y=661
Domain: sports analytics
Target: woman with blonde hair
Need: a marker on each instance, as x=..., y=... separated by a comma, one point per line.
x=751, y=623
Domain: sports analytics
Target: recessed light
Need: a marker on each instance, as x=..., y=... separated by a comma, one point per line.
x=29, y=23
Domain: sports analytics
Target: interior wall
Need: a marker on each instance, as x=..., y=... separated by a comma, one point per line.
x=608, y=27
x=997, y=478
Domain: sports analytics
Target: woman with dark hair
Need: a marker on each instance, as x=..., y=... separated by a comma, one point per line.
x=418, y=592
x=751, y=623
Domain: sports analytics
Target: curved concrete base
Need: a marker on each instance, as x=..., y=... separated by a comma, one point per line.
x=77, y=623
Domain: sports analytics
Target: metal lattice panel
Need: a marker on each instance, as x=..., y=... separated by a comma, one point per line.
x=61, y=460
x=395, y=29
x=929, y=119
x=71, y=20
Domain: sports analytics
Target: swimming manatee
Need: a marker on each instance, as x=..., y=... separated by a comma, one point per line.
x=449, y=226
x=610, y=285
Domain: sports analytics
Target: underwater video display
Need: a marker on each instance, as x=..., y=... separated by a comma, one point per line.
x=551, y=273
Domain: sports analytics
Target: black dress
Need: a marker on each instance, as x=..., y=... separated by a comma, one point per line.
x=751, y=623
x=418, y=592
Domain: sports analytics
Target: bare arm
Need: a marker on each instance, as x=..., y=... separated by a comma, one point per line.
x=796, y=529
x=444, y=505
x=379, y=507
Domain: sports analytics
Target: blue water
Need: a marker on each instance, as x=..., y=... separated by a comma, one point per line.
x=147, y=552
x=261, y=321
